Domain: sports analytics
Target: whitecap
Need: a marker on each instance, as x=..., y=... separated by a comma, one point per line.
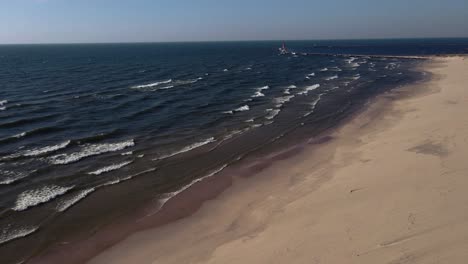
x=282, y=100
x=64, y=205
x=38, y=196
x=152, y=84
x=324, y=69
x=44, y=150
x=225, y=70
x=3, y=102
x=258, y=92
x=90, y=150
x=127, y=153
x=242, y=108
x=9, y=233
x=110, y=168
x=311, y=74
x=308, y=89
x=272, y=113
x=188, y=148
x=331, y=78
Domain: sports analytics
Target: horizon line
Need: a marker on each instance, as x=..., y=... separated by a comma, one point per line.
x=226, y=41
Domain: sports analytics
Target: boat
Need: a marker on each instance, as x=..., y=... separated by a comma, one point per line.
x=283, y=50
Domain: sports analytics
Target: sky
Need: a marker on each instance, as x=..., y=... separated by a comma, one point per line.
x=96, y=21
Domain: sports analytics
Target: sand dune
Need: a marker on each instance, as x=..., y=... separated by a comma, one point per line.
x=389, y=187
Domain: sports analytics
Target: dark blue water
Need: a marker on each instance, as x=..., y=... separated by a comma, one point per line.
x=78, y=119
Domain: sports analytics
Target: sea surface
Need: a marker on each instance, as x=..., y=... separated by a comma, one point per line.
x=76, y=120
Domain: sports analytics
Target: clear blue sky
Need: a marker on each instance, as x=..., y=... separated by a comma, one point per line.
x=64, y=21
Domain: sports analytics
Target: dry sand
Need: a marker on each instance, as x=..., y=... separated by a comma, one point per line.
x=390, y=187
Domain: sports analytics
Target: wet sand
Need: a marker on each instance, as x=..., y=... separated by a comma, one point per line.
x=387, y=187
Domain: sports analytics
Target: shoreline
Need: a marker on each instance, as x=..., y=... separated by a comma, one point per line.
x=210, y=190
x=257, y=207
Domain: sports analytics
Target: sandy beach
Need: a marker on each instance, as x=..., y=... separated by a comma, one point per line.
x=389, y=186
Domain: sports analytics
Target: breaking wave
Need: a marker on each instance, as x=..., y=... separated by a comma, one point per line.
x=331, y=78
x=166, y=197
x=110, y=168
x=90, y=150
x=272, y=113
x=35, y=197
x=308, y=89
x=150, y=85
x=9, y=233
x=44, y=150
x=64, y=205
x=258, y=91
x=187, y=148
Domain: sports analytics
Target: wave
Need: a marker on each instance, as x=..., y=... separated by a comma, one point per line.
x=90, y=150
x=127, y=153
x=336, y=69
x=14, y=137
x=324, y=70
x=168, y=196
x=188, y=148
x=150, y=85
x=308, y=89
x=8, y=233
x=272, y=113
x=356, y=77
x=64, y=205
x=258, y=92
x=331, y=78
x=24, y=121
x=311, y=74
x=242, y=108
x=3, y=102
x=350, y=60
x=117, y=181
x=314, y=104
x=280, y=101
x=12, y=177
x=110, y=168
x=44, y=150
x=35, y=197
x=225, y=70
x=289, y=88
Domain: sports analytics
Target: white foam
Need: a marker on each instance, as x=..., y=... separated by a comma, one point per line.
x=324, y=69
x=110, y=168
x=280, y=101
x=272, y=113
x=151, y=84
x=314, y=104
x=12, y=177
x=34, y=197
x=170, y=195
x=90, y=150
x=332, y=78
x=20, y=135
x=350, y=60
x=356, y=77
x=258, y=92
x=308, y=89
x=64, y=205
x=117, y=181
x=44, y=150
x=188, y=148
x=127, y=153
x=311, y=74
x=228, y=112
x=242, y=108
x=225, y=70
x=9, y=233
x=3, y=102
x=2, y=108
